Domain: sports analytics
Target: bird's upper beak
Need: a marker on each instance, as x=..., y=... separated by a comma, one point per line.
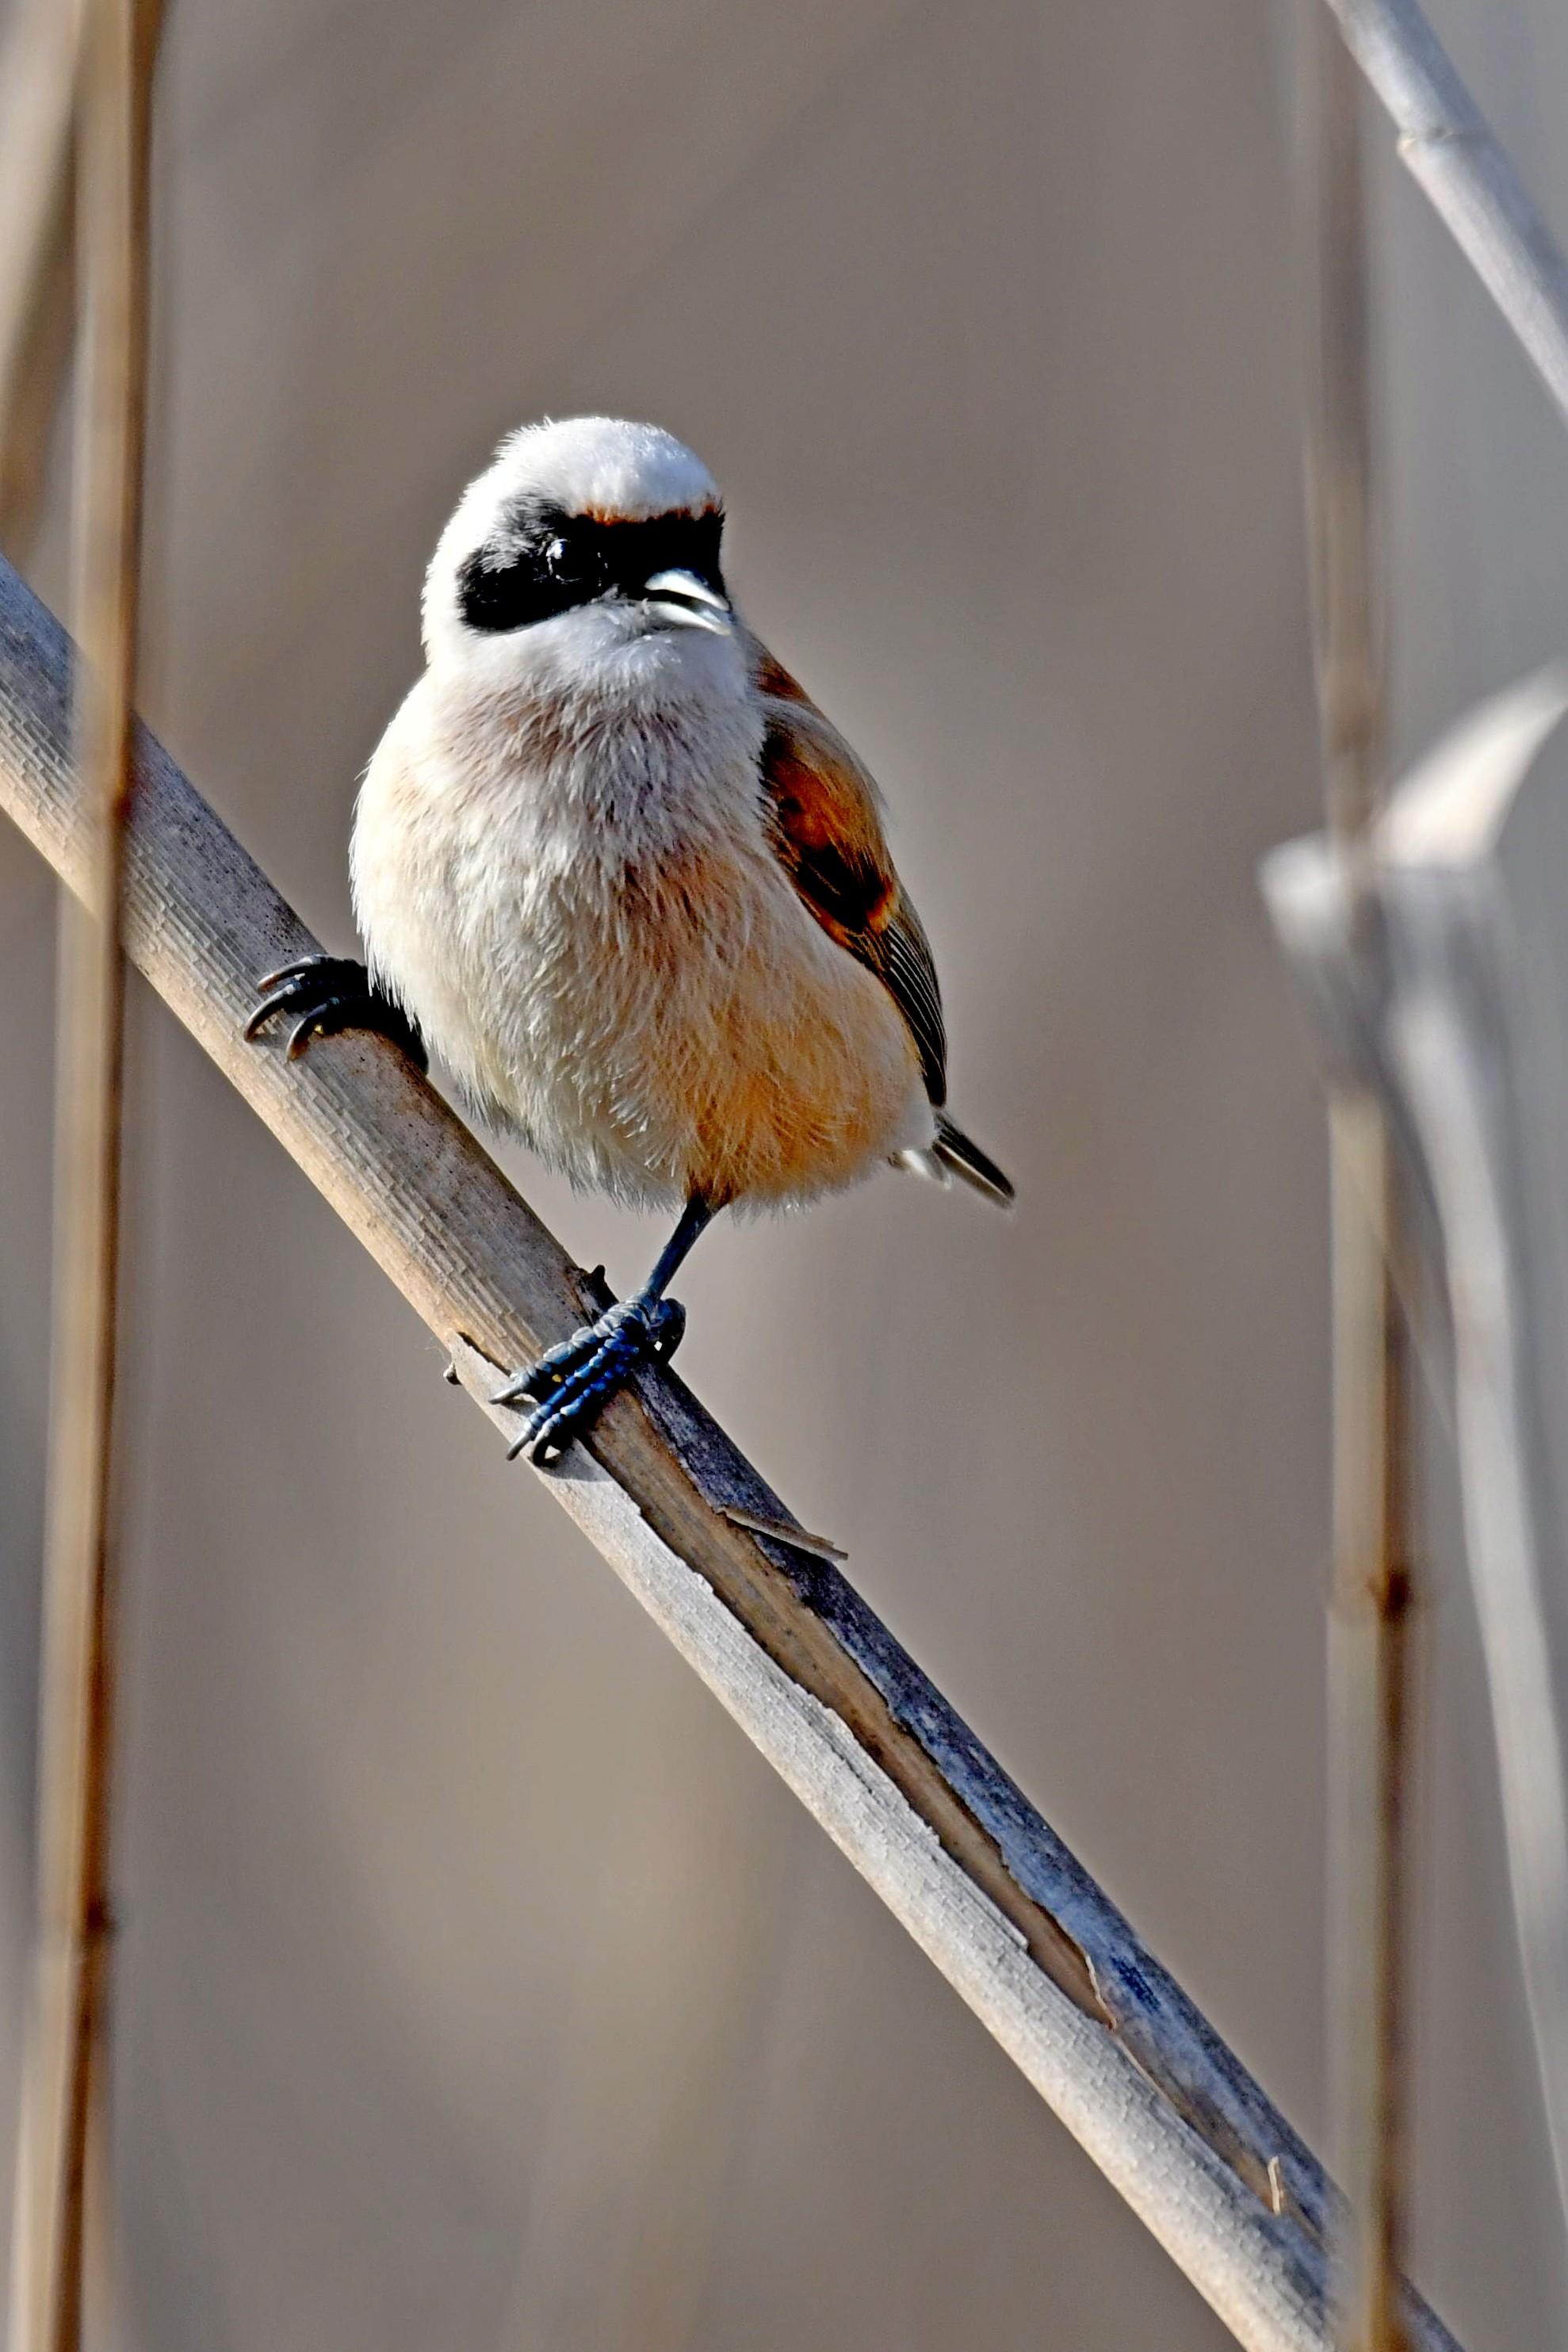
x=689, y=602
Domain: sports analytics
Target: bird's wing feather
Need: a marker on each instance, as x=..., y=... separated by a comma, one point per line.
x=825, y=817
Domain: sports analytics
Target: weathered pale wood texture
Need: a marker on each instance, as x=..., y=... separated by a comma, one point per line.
x=902, y=1785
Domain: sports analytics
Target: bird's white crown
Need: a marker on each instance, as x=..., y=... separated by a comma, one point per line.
x=604, y=467
x=601, y=466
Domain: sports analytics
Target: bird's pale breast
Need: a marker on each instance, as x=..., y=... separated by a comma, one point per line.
x=598, y=940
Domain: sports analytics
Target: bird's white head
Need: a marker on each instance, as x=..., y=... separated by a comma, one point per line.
x=585, y=558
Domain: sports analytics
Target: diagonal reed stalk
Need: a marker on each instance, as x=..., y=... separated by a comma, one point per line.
x=1448, y=148
x=820, y=1686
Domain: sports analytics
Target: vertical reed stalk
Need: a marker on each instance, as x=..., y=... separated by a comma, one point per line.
x=1369, y=1629
x=39, y=71
x=1370, y=1729
x=64, y=2089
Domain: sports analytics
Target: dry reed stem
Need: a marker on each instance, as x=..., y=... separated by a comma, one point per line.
x=1369, y=1655
x=64, y=2058
x=38, y=95
x=1447, y=146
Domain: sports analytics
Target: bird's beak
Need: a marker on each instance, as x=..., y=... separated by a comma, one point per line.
x=690, y=602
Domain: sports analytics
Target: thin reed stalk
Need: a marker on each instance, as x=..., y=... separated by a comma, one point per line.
x=39, y=74
x=1369, y=1662
x=64, y=2082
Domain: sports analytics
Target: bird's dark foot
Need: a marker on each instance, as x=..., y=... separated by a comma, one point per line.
x=322, y=995
x=569, y=1387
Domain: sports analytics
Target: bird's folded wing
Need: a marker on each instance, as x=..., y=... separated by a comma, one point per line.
x=827, y=827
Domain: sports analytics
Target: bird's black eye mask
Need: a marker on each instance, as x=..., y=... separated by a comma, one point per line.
x=546, y=562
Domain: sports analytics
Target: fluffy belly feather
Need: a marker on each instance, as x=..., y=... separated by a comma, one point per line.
x=694, y=1031
x=656, y=1026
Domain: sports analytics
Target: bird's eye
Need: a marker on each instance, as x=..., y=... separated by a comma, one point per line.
x=540, y=572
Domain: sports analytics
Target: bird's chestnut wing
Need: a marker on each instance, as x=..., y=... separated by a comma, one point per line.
x=825, y=816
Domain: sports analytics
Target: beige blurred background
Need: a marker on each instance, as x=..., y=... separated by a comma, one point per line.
x=480, y=1988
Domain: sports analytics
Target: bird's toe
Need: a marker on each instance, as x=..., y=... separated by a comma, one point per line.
x=323, y=995
x=570, y=1385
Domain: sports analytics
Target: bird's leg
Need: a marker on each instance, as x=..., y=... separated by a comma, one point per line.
x=322, y=994
x=568, y=1387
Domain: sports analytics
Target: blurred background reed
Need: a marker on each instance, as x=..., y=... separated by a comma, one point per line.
x=479, y=1987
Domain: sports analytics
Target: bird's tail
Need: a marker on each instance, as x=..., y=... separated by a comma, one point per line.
x=952, y=1154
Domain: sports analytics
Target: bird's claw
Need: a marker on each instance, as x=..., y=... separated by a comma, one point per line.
x=325, y=994
x=569, y=1387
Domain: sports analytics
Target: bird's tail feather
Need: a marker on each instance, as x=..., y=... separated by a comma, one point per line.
x=953, y=1149
x=950, y=1154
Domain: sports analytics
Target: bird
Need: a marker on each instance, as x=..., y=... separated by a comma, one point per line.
x=612, y=863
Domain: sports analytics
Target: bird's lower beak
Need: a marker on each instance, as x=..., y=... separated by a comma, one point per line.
x=690, y=602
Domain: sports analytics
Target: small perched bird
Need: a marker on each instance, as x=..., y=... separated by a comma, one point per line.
x=617, y=868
